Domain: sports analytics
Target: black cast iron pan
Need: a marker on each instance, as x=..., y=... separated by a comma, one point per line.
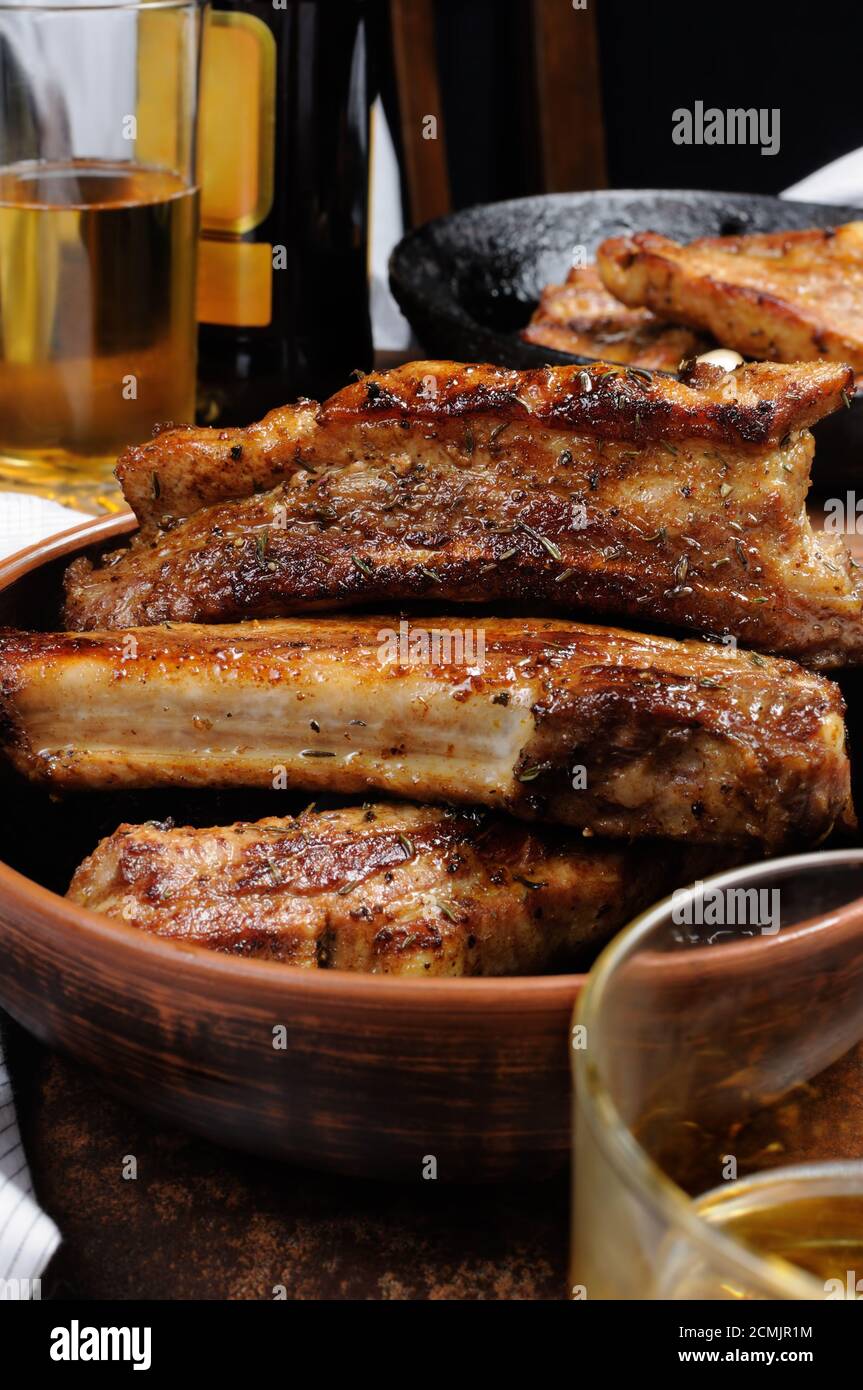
x=468, y=282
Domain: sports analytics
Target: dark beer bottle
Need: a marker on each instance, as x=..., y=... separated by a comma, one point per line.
x=284, y=147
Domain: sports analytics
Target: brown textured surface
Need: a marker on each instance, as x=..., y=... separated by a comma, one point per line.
x=202, y=1222
x=391, y=889
x=564, y=495
x=183, y=469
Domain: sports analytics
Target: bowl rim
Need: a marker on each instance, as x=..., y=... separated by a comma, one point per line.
x=425, y=233
x=479, y=993
x=408, y=276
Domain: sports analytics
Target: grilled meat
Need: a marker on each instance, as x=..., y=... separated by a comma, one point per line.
x=607, y=731
x=183, y=468
x=565, y=490
x=394, y=889
x=787, y=296
x=581, y=317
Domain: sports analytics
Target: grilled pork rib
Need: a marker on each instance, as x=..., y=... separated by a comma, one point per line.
x=422, y=409
x=581, y=317
x=608, y=731
x=564, y=489
x=394, y=889
x=787, y=296
x=184, y=468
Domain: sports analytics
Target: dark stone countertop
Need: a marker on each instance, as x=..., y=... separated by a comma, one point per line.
x=200, y=1222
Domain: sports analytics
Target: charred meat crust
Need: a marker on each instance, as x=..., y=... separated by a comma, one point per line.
x=693, y=535
x=757, y=404
x=394, y=889
x=685, y=740
x=184, y=469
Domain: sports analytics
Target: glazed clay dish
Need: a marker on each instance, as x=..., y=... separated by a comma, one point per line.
x=364, y=1074
x=356, y=1073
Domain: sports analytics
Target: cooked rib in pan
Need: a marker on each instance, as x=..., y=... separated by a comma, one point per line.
x=787, y=296
x=581, y=317
x=606, y=491
x=607, y=731
x=393, y=889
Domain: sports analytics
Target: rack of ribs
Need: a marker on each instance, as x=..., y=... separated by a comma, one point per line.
x=605, y=492
x=610, y=732
x=786, y=296
x=386, y=888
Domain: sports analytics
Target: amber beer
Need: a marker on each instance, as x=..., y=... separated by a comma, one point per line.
x=97, y=330
x=98, y=236
x=810, y=1216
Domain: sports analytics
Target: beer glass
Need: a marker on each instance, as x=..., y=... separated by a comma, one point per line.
x=718, y=1068
x=98, y=234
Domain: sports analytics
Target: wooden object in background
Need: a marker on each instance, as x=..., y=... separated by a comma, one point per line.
x=569, y=97
x=559, y=138
x=416, y=69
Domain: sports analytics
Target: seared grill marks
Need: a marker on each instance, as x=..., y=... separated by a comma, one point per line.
x=409, y=890
x=605, y=731
x=609, y=492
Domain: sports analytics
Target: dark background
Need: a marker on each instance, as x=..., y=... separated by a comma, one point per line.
x=655, y=55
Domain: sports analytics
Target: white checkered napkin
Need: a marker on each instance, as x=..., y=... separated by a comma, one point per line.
x=25, y=520
x=28, y=1238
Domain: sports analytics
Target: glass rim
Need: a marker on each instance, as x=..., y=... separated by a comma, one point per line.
x=634, y=1167
x=93, y=6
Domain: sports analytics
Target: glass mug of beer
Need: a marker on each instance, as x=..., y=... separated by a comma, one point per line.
x=98, y=236
x=718, y=1058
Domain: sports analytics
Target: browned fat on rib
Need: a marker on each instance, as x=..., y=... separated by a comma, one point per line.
x=388, y=888
x=787, y=296
x=581, y=317
x=589, y=492
x=606, y=731
x=183, y=468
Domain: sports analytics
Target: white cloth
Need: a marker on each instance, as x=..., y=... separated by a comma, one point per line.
x=24, y=520
x=391, y=331
x=838, y=182
x=28, y=1238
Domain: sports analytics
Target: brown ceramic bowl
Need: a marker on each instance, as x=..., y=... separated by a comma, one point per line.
x=375, y=1073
